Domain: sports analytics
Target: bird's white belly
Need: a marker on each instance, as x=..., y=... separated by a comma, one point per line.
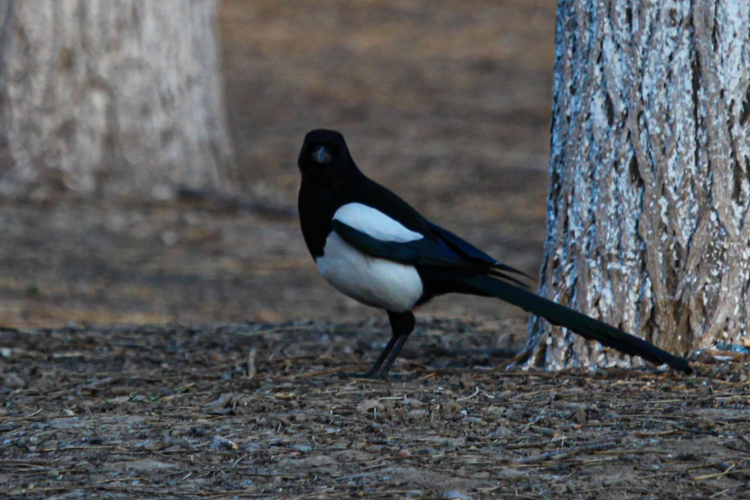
x=372, y=281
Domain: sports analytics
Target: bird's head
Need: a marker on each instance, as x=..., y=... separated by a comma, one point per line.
x=325, y=158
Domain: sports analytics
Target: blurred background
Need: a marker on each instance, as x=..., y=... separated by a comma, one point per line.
x=447, y=103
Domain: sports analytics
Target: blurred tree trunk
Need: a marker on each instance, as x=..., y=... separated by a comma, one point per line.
x=648, y=224
x=110, y=98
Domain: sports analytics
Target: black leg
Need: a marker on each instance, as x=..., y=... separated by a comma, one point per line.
x=374, y=369
x=402, y=324
x=394, y=354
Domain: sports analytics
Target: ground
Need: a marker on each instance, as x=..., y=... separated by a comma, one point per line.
x=259, y=411
x=449, y=104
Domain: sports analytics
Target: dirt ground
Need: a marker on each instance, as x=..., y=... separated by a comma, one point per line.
x=258, y=411
x=446, y=102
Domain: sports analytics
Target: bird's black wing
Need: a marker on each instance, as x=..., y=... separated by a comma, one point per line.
x=422, y=252
x=469, y=251
x=382, y=199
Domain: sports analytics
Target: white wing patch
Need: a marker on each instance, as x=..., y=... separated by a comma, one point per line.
x=374, y=223
x=369, y=280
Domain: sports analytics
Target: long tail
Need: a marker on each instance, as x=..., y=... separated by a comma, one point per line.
x=588, y=328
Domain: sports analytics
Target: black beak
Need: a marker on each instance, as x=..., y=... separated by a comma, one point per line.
x=322, y=155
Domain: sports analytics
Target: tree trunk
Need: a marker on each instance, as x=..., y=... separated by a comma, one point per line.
x=110, y=98
x=648, y=224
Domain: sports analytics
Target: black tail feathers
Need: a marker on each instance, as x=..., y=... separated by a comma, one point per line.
x=588, y=328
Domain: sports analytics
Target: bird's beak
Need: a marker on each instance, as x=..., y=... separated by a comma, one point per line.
x=322, y=155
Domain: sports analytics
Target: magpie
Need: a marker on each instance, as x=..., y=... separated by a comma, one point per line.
x=375, y=248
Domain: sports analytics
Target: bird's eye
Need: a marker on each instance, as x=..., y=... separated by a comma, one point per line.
x=322, y=155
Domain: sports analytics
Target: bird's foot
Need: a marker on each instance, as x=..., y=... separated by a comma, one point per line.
x=367, y=375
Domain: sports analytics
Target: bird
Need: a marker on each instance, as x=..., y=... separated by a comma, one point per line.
x=374, y=247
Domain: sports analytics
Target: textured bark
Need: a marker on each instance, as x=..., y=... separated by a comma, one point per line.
x=111, y=98
x=648, y=223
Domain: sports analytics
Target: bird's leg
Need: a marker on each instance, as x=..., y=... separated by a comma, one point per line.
x=374, y=369
x=402, y=325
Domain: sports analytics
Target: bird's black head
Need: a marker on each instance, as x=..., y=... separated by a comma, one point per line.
x=325, y=158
